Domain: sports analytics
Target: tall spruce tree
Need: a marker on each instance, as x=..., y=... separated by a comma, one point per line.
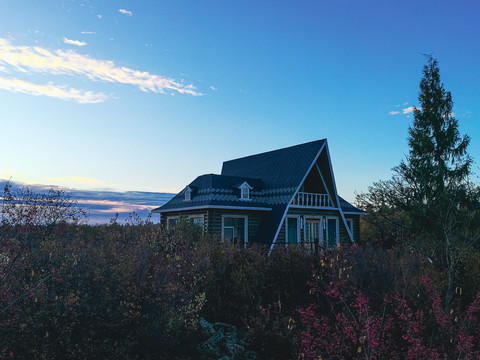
x=432, y=185
x=438, y=163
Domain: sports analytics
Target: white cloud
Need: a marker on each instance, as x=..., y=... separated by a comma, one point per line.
x=213, y=88
x=74, y=42
x=88, y=32
x=36, y=59
x=126, y=12
x=76, y=179
x=409, y=110
x=394, y=112
x=59, y=92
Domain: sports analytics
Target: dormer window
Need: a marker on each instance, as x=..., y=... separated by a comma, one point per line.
x=188, y=194
x=245, y=191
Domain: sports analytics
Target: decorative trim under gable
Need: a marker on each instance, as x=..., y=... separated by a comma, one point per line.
x=159, y=211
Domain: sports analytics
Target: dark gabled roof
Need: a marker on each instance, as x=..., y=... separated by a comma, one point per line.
x=224, y=182
x=217, y=190
x=283, y=168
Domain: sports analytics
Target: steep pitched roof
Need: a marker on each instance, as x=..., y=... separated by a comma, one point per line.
x=283, y=168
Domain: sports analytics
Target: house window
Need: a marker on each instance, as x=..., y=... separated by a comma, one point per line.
x=293, y=230
x=245, y=191
x=235, y=229
x=196, y=220
x=188, y=194
x=172, y=222
x=332, y=231
x=312, y=233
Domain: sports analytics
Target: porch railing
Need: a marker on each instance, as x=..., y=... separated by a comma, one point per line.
x=313, y=200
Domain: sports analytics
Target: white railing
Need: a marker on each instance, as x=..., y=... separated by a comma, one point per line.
x=312, y=200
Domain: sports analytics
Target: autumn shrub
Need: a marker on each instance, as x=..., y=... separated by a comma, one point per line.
x=406, y=320
x=110, y=292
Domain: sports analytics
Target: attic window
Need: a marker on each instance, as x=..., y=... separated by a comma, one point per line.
x=188, y=194
x=245, y=191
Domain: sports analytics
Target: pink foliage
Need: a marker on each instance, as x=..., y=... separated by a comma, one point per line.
x=341, y=324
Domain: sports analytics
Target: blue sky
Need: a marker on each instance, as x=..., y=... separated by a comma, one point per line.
x=144, y=96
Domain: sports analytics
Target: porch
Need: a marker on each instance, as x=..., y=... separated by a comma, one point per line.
x=312, y=200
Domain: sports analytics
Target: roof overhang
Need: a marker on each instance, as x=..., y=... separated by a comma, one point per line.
x=355, y=213
x=206, y=207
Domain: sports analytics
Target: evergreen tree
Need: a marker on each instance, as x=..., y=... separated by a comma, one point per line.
x=430, y=198
x=438, y=164
x=432, y=184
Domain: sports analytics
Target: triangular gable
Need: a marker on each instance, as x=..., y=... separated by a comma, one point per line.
x=281, y=172
x=322, y=163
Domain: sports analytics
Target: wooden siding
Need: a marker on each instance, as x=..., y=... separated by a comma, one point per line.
x=255, y=222
x=185, y=214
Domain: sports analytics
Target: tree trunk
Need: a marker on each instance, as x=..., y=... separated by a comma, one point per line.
x=450, y=273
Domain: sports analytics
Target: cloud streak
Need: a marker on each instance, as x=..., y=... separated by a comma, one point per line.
x=50, y=90
x=27, y=59
x=126, y=12
x=74, y=42
x=76, y=179
x=409, y=110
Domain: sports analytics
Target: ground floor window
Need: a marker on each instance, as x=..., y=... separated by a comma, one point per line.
x=332, y=231
x=172, y=222
x=293, y=229
x=313, y=230
x=234, y=229
x=196, y=220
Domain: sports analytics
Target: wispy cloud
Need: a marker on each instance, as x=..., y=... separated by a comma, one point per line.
x=394, y=112
x=74, y=42
x=88, y=32
x=76, y=179
x=59, y=92
x=409, y=110
x=126, y=12
x=27, y=59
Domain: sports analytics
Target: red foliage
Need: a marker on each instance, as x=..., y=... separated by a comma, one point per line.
x=402, y=327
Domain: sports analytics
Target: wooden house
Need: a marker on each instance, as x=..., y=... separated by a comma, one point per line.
x=280, y=198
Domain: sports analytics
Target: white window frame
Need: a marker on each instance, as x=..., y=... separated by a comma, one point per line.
x=188, y=194
x=298, y=228
x=197, y=216
x=337, y=240
x=320, y=240
x=245, y=235
x=175, y=217
x=245, y=187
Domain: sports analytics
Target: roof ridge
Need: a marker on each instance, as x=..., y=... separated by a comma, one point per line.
x=320, y=141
